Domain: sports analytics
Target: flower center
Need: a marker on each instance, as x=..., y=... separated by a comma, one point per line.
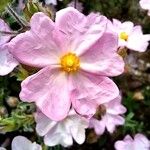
x=124, y=36
x=70, y=62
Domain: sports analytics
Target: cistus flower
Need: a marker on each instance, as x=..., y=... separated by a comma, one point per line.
x=140, y=142
x=22, y=143
x=62, y=132
x=75, y=55
x=7, y=62
x=110, y=116
x=145, y=4
x=130, y=36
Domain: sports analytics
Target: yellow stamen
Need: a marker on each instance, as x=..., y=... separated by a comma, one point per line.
x=70, y=62
x=124, y=36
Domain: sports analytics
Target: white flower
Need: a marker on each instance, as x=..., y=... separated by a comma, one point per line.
x=130, y=36
x=22, y=143
x=62, y=132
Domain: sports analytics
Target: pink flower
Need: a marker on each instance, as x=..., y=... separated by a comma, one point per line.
x=111, y=117
x=75, y=56
x=140, y=142
x=145, y=4
x=7, y=62
x=22, y=143
x=62, y=132
x=130, y=36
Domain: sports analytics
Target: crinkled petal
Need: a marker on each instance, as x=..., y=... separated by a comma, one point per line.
x=90, y=90
x=44, y=88
x=7, y=61
x=22, y=143
x=41, y=45
x=83, y=31
x=102, y=58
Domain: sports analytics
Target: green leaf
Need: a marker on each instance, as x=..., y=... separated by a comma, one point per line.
x=3, y=4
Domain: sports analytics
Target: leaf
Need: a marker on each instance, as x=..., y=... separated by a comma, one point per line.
x=3, y=4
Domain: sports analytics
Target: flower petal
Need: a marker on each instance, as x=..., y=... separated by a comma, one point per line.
x=102, y=58
x=43, y=124
x=141, y=142
x=89, y=91
x=115, y=107
x=22, y=143
x=43, y=88
x=137, y=41
x=78, y=127
x=7, y=62
x=83, y=31
x=145, y=4
x=99, y=126
x=41, y=46
x=111, y=121
x=120, y=145
x=54, y=137
x=4, y=27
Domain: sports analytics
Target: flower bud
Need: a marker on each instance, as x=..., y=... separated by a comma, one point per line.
x=3, y=111
x=12, y=101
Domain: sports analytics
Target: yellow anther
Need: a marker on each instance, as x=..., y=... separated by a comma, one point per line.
x=124, y=36
x=70, y=62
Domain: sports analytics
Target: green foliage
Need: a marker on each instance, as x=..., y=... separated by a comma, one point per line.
x=131, y=125
x=20, y=119
x=3, y=4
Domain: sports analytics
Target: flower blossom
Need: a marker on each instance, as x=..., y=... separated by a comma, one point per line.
x=140, y=142
x=75, y=54
x=110, y=117
x=62, y=132
x=145, y=4
x=7, y=62
x=130, y=36
x=22, y=143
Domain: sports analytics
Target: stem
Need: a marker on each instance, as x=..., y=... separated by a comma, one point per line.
x=8, y=32
x=15, y=15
